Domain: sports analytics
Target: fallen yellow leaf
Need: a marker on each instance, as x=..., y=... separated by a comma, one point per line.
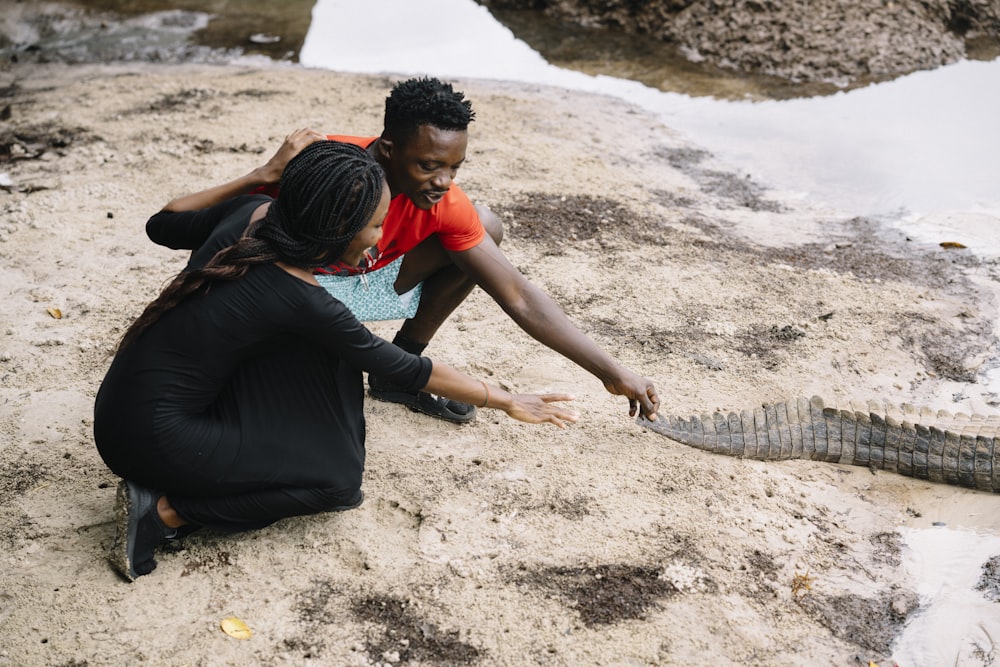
x=235, y=628
x=948, y=244
x=55, y=312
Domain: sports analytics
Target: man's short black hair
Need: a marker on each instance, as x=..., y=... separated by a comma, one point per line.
x=425, y=101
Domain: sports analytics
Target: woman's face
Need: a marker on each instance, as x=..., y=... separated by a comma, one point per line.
x=370, y=234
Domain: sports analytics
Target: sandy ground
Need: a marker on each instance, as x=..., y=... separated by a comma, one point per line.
x=495, y=543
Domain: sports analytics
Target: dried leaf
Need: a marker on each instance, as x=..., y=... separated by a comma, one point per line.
x=235, y=628
x=55, y=312
x=951, y=244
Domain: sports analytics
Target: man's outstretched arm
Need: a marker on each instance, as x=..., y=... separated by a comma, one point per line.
x=543, y=319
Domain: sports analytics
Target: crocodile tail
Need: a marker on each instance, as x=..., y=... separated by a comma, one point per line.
x=937, y=446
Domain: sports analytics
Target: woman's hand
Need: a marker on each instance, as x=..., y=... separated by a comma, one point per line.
x=270, y=173
x=541, y=408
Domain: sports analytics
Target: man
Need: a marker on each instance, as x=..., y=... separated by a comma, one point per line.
x=437, y=246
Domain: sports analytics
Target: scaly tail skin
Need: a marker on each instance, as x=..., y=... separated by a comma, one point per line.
x=937, y=446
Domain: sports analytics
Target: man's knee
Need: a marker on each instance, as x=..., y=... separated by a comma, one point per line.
x=491, y=221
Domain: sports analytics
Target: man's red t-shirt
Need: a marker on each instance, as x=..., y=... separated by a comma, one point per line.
x=453, y=219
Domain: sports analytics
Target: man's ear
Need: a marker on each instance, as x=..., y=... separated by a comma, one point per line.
x=385, y=146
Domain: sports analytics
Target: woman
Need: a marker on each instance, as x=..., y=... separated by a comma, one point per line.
x=235, y=399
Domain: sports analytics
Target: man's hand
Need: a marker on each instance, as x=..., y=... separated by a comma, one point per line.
x=640, y=392
x=271, y=172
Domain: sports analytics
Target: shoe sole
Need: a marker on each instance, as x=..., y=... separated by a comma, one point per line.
x=124, y=541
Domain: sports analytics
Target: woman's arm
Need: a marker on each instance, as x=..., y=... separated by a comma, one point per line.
x=532, y=408
x=267, y=174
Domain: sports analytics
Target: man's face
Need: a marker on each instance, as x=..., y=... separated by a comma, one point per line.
x=424, y=167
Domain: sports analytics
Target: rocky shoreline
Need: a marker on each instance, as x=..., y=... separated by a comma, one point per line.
x=827, y=42
x=838, y=41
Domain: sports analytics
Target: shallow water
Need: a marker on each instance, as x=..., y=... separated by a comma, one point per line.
x=922, y=150
x=956, y=624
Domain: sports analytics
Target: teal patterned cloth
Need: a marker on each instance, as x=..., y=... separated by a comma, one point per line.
x=370, y=296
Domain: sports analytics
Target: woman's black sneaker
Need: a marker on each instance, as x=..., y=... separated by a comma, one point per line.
x=139, y=530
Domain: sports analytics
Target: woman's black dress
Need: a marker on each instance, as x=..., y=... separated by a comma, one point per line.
x=244, y=404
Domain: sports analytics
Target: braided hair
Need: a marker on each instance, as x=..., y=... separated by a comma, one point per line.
x=328, y=193
x=425, y=101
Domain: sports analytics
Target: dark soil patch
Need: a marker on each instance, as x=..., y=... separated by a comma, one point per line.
x=20, y=474
x=314, y=607
x=401, y=630
x=547, y=217
x=30, y=142
x=179, y=101
x=864, y=258
x=741, y=192
x=945, y=350
x=732, y=190
x=655, y=341
x=758, y=579
x=761, y=565
x=989, y=581
x=413, y=638
x=575, y=507
x=765, y=343
x=220, y=560
x=888, y=548
x=209, y=146
x=188, y=98
x=685, y=159
x=313, y=604
x=604, y=594
x=871, y=623
x=863, y=249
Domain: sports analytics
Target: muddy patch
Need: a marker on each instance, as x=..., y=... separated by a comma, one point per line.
x=730, y=190
x=948, y=352
x=603, y=594
x=186, y=99
x=20, y=477
x=31, y=142
x=217, y=560
x=989, y=581
x=542, y=217
x=654, y=341
x=871, y=623
x=768, y=344
x=888, y=548
x=21, y=474
x=406, y=637
x=399, y=635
